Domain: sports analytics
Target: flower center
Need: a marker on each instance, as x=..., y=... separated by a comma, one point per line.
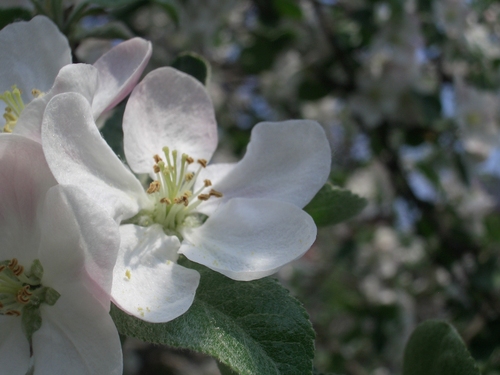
x=15, y=106
x=173, y=190
x=20, y=290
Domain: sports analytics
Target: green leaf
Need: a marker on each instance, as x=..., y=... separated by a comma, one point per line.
x=252, y=327
x=289, y=8
x=262, y=52
x=333, y=205
x=31, y=320
x=169, y=8
x=10, y=15
x=111, y=30
x=194, y=65
x=435, y=348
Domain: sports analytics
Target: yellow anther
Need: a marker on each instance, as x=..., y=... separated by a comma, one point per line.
x=203, y=197
x=156, y=168
x=189, y=176
x=13, y=313
x=188, y=193
x=2, y=267
x=153, y=187
x=157, y=158
x=207, y=183
x=23, y=295
x=189, y=159
x=185, y=200
x=165, y=200
x=36, y=93
x=202, y=162
x=16, y=268
x=215, y=193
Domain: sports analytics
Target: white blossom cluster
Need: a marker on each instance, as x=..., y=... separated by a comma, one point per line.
x=80, y=231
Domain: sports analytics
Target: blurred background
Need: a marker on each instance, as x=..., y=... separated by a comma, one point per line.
x=408, y=94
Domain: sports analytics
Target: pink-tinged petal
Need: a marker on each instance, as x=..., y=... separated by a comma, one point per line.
x=287, y=161
x=147, y=283
x=79, y=78
x=24, y=180
x=168, y=108
x=78, y=155
x=33, y=53
x=247, y=239
x=14, y=347
x=77, y=336
x=79, y=240
x=119, y=70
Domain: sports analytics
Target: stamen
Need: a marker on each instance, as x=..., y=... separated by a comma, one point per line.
x=165, y=200
x=16, y=268
x=36, y=93
x=215, y=193
x=153, y=187
x=13, y=313
x=175, y=187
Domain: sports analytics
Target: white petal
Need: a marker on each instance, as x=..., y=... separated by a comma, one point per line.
x=80, y=78
x=79, y=239
x=24, y=180
x=77, y=337
x=247, y=239
x=287, y=161
x=147, y=283
x=168, y=108
x=119, y=70
x=78, y=155
x=32, y=54
x=14, y=347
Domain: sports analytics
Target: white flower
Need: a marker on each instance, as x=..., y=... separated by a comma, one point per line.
x=254, y=221
x=58, y=250
x=36, y=65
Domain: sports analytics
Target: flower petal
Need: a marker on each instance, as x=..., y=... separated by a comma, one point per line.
x=119, y=70
x=24, y=180
x=33, y=53
x=168, y=108
x=247, y=239
x=147, y=283
x=78, y=155
x=77, y=336
x=14, y=347
x=79, y=239
x=287, y=161
x=80, y=78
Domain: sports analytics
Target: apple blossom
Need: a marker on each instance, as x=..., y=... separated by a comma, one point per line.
x=38, y=66
x=58, y=250
x=243, y=220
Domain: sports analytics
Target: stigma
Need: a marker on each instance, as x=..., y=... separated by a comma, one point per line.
x=173, y=190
